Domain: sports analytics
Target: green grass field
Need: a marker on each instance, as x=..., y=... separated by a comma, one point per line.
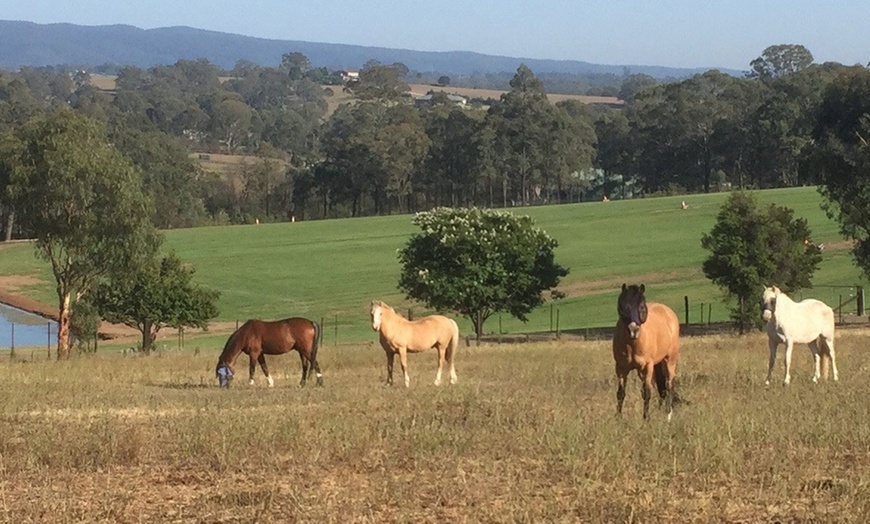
x=332, y=269
x=527, y=435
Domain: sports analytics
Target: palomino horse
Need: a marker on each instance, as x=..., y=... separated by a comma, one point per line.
x=646, y=338
x=400, y=335
x=808, y=322
x=258, y=338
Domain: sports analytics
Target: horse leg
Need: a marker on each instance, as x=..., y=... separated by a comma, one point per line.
x=829, y=342
x=315, y=366
x=391, y=356
x=817, y=360
x=789, y=345
x=440, y=365
x=252, y=366
x=646, y=392
x=620, y=390
x=304, y=369
x=262, y=360
x=403, y=360
x=772, y=343
x=672, y=391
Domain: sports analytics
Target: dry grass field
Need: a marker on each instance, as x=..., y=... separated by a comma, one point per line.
x=528, y=435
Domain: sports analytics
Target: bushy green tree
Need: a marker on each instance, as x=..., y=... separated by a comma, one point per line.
x=478, y=262
x=752, y=247
x=83, y=201
x=841, y=158
x=160, y=294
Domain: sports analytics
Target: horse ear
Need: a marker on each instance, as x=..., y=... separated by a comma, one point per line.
x=624, y=287
x=642, y=288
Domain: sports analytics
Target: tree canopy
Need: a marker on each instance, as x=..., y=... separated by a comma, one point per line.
x=478, y=262
x=842, y=158
x=161, y=293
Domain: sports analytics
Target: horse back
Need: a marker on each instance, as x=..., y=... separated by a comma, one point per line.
x=278, y=336
x=429, y=332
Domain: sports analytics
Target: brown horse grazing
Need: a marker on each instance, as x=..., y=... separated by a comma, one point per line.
x=646, y=338
x=400, y=335
x=258, y=338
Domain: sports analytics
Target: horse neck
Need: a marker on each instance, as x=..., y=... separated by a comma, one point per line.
x=230, y=352
x=783, y=300
x=394, y=318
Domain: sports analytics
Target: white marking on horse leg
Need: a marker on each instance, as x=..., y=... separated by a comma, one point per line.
x=453, y=377
x=251, y=382
x=670, y=415
x=319, y=374
x=788, y=348
x=407, y=380
x=271, y=382
x=830, y=344
x=817, y=361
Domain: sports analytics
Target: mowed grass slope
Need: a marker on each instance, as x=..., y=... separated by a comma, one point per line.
x=528, y=435
x=332, y=269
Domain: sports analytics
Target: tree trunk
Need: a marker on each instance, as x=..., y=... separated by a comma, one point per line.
x=63, y=327
x=10, y=221
x=147, y=337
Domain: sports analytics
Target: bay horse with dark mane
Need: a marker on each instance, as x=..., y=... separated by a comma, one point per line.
x=258, y=338
x=646, y=338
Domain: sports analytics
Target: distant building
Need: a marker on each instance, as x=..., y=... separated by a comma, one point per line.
x=349, y=76
x=423, y=100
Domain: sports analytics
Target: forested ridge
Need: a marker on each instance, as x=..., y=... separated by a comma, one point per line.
x=381, y=151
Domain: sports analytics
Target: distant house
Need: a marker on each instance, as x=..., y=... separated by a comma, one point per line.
x=349, y=76
x=423, y=100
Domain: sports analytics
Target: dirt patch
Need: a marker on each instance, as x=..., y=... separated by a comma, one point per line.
x=841, y=245
x=611, y=285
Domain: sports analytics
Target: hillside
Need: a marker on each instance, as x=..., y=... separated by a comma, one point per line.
x=30, y=44
x=331, y=269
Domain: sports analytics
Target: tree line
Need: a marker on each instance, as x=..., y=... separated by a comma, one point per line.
x=380, y=153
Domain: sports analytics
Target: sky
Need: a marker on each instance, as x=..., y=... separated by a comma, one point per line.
x=676, y=33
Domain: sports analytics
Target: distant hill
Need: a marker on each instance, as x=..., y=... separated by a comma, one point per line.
x=30, y=44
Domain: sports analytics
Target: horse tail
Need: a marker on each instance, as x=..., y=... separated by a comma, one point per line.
x=454, y=342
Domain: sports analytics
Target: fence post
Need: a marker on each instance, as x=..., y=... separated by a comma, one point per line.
x=13, y=336
x=859, y=292
x=686, y=301
x=841, y=309
x=702, y=314
x=558, y=331
x=335, y=324
x=551, y=318
x=709, y=312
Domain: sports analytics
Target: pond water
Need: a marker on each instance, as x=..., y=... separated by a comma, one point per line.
x=30, y=330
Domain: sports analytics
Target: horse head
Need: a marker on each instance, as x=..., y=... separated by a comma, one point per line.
x=768, y=302
x=377, y=312
x=631, y=307
x=224, y=374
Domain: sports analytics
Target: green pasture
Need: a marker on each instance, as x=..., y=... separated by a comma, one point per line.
x=332, y=269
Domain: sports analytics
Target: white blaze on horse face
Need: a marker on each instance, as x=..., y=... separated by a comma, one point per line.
x=633, y=330
x=376, y=318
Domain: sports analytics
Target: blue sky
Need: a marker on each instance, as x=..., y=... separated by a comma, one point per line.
x=678, y=33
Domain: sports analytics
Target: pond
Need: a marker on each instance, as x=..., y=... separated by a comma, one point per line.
x=29, y=329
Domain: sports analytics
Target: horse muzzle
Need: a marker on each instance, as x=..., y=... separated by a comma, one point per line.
x=767, y=315
x=224, y=376
x=633, y=330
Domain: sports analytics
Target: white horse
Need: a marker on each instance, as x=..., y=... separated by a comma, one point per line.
x=808, y=322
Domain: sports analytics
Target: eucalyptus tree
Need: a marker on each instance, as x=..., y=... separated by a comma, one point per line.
x=522, y=122
x=83, y=201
